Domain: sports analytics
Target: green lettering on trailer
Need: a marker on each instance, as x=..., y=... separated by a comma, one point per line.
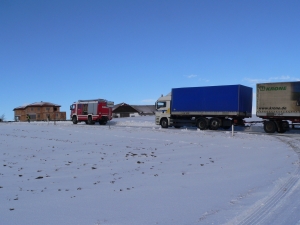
x=263, y=88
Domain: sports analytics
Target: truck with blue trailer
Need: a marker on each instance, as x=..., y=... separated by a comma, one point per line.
x=210, y=107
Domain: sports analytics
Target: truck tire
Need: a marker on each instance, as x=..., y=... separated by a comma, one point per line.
x=202, y=123
x=282, y=126
x=164, y=123
x=285, y=125
x=90, y=120
x=102, y=122
x=74, y=120
x=269, y=126
x=214, y=123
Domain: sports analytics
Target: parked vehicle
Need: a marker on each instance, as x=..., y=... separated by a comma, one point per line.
x=91, y=111
x=277, y=104
x=205, y=107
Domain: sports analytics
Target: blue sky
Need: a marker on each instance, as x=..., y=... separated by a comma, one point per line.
x=133, y=51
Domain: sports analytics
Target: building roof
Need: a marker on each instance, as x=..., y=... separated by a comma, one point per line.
x=141, y=109
x=145, y=108
x=37, y=104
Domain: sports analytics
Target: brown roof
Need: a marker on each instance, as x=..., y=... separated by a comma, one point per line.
x=37, y=104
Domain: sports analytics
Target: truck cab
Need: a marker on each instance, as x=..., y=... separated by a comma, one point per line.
x=162, y=114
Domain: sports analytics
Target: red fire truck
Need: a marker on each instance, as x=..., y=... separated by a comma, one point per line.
x=91, y=111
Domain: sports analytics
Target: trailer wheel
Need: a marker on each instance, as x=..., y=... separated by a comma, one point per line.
x=164, y=123
x=285, y=125
x=282, y=126
x=214, y=124
x=269, y=127
x=74, y=120
x=202, y=123
x=90, y=121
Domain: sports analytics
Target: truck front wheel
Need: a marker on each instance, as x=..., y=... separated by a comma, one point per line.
x=269, y=127
x=164, y=123
x=74, y=120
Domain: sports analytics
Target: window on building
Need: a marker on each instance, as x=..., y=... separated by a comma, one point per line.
x=32, y=116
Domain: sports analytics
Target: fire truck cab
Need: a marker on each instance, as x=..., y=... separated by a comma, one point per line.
x=91, y=111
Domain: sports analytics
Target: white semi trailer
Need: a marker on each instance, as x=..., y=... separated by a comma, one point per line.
x=277, y=104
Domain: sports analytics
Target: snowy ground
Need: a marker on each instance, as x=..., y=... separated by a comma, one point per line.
x=132, y=172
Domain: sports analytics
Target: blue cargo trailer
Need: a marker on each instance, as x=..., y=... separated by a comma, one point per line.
x=212, y=100
x=205, y=107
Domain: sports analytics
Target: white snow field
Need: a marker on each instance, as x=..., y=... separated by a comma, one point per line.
x=132, y=172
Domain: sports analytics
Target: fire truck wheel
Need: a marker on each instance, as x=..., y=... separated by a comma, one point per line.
x=90, y=121
x=102, y=122
x=74, y=119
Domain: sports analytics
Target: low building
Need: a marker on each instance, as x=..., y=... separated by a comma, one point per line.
x=39, y=111
x=126, y=110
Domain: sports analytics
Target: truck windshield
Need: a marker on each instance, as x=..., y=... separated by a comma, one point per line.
x=160, y=105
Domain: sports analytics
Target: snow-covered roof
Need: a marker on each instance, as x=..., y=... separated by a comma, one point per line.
x=144, y=109
x=37, y=104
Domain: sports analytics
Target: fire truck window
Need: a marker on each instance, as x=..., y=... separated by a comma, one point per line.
x=79, y=106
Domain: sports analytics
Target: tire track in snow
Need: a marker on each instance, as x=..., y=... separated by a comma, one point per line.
x=263, y=211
